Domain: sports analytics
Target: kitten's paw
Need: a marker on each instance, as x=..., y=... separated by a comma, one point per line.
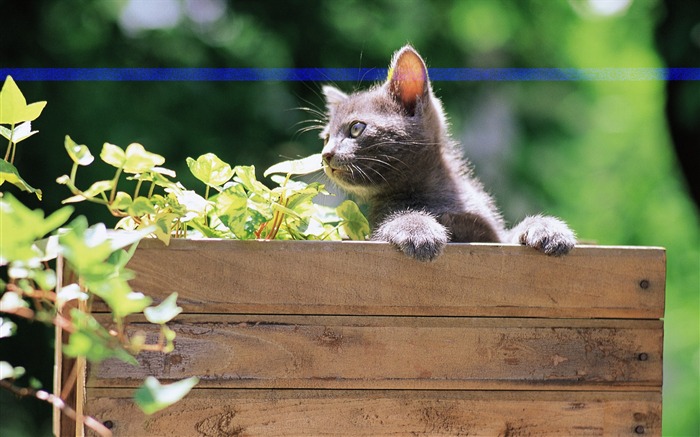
x=416, y=234
x=546, y=234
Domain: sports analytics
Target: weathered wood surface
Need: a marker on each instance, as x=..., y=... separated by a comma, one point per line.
x=215, y=412
x=401, y=353
x=289, y=277
x=316, y=338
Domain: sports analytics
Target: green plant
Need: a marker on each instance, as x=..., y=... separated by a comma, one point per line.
x=234, y=205
x=241, y=207
x=98, y=259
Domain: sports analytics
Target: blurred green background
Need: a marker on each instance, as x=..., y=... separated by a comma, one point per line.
x=599, y=154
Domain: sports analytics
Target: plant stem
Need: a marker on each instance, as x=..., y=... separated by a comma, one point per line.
x=59, y=403
x=10, y=143
x=138, y=188
x=73, y=172
x=115, y=181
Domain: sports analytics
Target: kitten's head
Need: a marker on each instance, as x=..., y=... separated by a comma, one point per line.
x=380, y=139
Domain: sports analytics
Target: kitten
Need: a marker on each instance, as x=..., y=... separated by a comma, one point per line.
x=389, y=146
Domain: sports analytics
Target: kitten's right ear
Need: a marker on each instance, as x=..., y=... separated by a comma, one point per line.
x=333, y=96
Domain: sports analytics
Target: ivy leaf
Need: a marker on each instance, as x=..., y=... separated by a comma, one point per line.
x=152, y=397
x=139, y=160
x=9, y=173
x=21, y=227
x=9, y=372
x=245, y=174
x=79, y=153
x=113, y=155
x=13, y=105
x=211, y=170
x=19, y=133
x=95, y=189
x=303, y=166
x=163, y=313
x=7, y=327
x=354, y=222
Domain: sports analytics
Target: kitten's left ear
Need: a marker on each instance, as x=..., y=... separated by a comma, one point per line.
x=333, y=96
x=408, y=78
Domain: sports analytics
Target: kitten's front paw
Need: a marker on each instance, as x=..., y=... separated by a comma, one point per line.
x=546, y=234
x=416, y=234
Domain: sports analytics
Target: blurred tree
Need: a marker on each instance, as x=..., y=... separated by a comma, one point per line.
x=678, y=39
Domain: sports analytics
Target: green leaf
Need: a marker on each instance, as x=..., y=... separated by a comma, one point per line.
x=152, y=397
x=79, y=153
x=13, y=105
x=11, y=302
x=9, y=372
x=9, y=173
x=303, y=166
x=19, y=133
x=113, y=155
x=7, y=327
x=245, y=174
x=140, y=207
x=139, y=160
x=165, y=312
x=211, y=170
x=95, y=189
x=21, y=227
x=354, y=222
x=92, y=341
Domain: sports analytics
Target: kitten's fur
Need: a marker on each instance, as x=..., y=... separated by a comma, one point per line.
x=389, y=145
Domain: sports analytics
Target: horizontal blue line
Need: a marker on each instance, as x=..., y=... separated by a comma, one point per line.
x=347, y=74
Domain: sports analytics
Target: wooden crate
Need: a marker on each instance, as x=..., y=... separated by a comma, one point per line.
x=317, y=338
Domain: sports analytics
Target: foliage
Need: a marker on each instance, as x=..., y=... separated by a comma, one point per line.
x=242, y=207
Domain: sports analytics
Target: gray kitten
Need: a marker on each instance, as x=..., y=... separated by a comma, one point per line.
x=389, y=146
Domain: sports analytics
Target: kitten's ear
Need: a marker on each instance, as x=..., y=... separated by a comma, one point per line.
x=333, y=96
x=408, y=78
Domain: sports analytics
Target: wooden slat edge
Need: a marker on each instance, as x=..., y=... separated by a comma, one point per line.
x=371, y=278
x=373, y=412
x=401, y=353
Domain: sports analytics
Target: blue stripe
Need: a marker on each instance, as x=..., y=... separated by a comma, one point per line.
x=347, y=74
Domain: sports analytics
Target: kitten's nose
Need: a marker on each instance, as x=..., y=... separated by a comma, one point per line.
x=327, y=156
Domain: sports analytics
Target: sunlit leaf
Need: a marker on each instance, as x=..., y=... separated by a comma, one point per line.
x=211, y=170
x=9, y=372
x=95, y=189
x=9, y=173
x=139, y=160
x=7, y=327
x=21, y=227
x=79, y=153
x=303, y=166
x=245, y=174
x=113, y=155
x=354, y=222
x=164, y=312
x=152, y=396
x=19, y=133
x=13, y=105
x=11, y=302
x=70, y=292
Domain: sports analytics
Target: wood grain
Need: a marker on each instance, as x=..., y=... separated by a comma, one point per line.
x=290, y=277
x=209, y=413
x=319, y=338
x=400, y=353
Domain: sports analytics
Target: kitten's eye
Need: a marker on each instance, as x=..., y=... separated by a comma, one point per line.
x=357, y=128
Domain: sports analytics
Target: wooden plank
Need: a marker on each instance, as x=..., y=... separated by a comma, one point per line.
x=370, y=413
x=240, y=351
x=291, y=277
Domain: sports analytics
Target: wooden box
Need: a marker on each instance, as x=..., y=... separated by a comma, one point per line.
x=327, y=338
